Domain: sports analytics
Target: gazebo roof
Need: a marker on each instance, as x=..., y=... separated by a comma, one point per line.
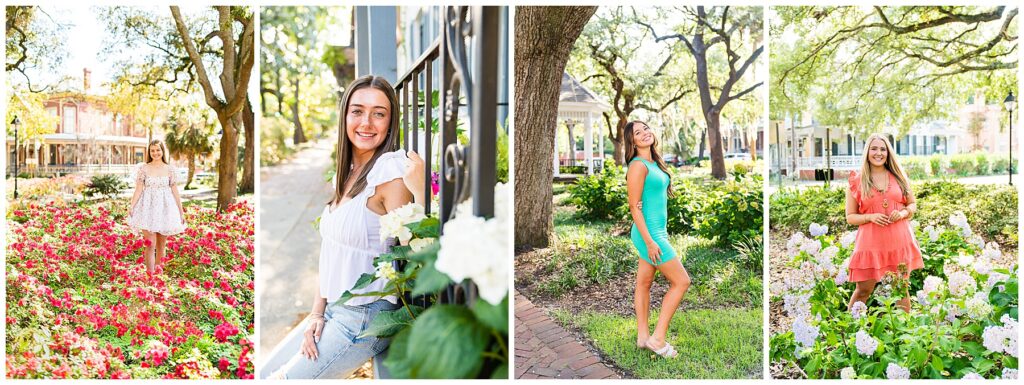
x=573, y=96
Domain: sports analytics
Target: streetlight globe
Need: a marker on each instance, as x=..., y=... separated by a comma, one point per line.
x=1010, y=102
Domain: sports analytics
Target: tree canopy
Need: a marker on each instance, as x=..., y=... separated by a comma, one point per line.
x=864, y=68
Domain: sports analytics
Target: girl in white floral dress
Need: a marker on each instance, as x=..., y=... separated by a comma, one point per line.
x=155, y=209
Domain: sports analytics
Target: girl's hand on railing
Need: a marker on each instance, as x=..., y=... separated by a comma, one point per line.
x=413, y=178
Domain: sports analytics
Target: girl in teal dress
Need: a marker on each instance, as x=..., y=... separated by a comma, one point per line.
x=648, y=186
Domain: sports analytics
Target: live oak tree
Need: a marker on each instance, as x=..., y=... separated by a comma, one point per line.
x=614, y=56
x=179, y=52
x=544, y=37
x=36, y=43
x=866, y=68
x=724, y=43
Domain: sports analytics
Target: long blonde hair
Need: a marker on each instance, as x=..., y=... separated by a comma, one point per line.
x=891, y=164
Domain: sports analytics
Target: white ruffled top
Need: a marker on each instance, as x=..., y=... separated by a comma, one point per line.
x=350, y=235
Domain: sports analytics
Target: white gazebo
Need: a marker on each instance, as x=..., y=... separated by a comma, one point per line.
x=577, y=104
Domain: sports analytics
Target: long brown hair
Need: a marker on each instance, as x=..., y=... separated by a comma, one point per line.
x=631, y=150
x=163, y=151
x=345, y=146
x=891, y=164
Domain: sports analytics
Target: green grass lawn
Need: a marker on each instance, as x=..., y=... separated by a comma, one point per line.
x=721, y=343
x=587, y=253
x=719, y=331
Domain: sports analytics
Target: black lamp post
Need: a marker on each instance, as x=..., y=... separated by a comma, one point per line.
x=1010, y=102
x=16, y=123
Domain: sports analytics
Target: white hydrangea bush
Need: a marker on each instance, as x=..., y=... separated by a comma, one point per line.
x=962, y=322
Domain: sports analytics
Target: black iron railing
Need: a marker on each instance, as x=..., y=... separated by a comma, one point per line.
x=465, y=171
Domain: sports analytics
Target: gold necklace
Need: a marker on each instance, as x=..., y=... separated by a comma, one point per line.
x=885, y=199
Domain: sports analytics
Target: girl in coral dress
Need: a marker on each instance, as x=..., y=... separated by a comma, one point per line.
x=881, y=204
x=156, y=209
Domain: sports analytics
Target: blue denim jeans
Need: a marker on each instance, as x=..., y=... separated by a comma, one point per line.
x=340, y=349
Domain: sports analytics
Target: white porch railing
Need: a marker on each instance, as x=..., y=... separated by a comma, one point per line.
x=840, y=162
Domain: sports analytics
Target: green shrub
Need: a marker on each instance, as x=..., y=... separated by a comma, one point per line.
x=916, y=167
x=572, y=169
x=991, y=209
x=963, y=164
x=600, y=196
x=106, y=185
x=938, y=164
x=731, y=210
x=1000, y=164
x=982, y=166
x=792, y=208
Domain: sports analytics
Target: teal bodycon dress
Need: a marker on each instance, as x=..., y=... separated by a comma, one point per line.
x=655, y=210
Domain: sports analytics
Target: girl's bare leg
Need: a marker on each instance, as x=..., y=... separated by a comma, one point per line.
x=149, y=258
x=161, y=243
x=679, y=283
x=642, y=301
x=862, y=293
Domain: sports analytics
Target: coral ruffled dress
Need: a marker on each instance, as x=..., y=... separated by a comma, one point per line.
x=880, y=249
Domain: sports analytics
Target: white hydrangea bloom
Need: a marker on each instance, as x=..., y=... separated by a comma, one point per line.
x=804, y=333
x=794, y=243
x=866, y=344
x=842, y=277
x=393, y=223
x=953, y=313
x=418, y=244
x=859, y=310
x=994, y=279
x=972, y=376
x=931, y=284
x=848, y=239
x=965, y=260
x=848, y=373
x=896, y=372
x=386, y=270
x=961, y=284
x=983, y=265
x=797, y=305
x=811, y=247
x=817, y=230
x=977, y=307
x=476, y=248
x=933, y=233
x=1009, y=374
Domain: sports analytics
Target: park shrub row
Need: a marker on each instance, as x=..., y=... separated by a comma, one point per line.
x=991, y=208
x=729, y=211
x=972, y=164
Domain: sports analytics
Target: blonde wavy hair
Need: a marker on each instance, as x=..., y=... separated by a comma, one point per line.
x=891, y=164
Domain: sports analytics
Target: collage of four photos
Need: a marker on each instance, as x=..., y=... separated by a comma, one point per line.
x=511, y=192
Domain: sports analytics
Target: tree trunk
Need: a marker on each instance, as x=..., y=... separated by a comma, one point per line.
x=191, y=170
x=299, y=135
x=248, y=184
x=544, y=37
x=715, y=139
x=227, y=164
x=703, y=143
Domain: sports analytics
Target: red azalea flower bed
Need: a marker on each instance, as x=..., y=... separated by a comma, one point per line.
x=81, y=305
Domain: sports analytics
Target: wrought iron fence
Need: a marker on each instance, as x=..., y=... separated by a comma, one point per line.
x=465, y=171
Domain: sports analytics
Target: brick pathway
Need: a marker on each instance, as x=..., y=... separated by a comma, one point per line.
x=546, y=350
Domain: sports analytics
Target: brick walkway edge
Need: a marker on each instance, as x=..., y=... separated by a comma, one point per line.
x=544, y=349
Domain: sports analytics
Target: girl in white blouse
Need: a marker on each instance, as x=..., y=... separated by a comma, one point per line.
x=372, y=179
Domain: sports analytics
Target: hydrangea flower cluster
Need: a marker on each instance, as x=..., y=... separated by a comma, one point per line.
x=866, y=344
x=1003, y=338
x=896, y=372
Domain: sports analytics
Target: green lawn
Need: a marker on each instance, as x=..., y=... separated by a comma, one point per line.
x=718, y=344
x=718, y=332
x=586, y=253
